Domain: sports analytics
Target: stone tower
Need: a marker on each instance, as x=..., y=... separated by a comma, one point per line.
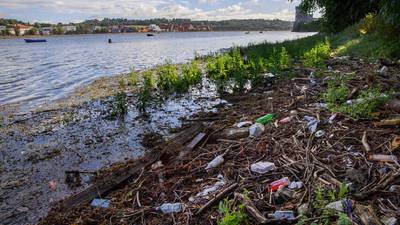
x=301, y=18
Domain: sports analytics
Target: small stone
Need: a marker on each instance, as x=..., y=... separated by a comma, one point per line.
x=303, y=209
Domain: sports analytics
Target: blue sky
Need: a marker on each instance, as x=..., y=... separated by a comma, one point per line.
x=78, y=10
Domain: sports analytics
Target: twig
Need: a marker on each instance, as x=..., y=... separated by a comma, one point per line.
x=217, y=198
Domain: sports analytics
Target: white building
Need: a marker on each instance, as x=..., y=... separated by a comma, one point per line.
x=154, y=28
x=69, y=28
x=46, y=30
x=2, y=28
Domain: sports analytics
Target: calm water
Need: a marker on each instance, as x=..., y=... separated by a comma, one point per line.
x=39, y=72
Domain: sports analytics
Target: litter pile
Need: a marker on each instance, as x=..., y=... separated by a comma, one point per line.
x=279, y=155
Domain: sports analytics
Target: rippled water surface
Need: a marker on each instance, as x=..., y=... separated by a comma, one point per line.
x=38, y=72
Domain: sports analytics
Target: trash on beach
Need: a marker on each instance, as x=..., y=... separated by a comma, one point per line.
x=383, y=158
x=157, y=165
x=295, y=185
x=286, y=120
x=312, y=123
x=262, y=167
x=332, y=118
x=274, y=186
x=396, y=143
x=344, y=205
x=236, y=133
x=383, y=71
x=366, y=214
x=282, y=215
x=394, y=105
x=386, y=220
x=319, y=133
x=211, y=189
x=215, y=162
x=170, y=208
x=394, y=188
x=244, y=124
x=269, y=75
x=100, y=203
x=265, y=119
x=53, y=185
x=256, y=130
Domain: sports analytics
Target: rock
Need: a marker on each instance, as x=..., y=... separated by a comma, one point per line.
x=235, y=133
x=262, y=167
x=303, y=209
x=256, y=130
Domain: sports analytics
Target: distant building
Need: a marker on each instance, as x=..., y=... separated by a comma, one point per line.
x=46, y=30
x=115, y=29
x=96, y=29
x=23, y=29
x=69, y=28
x=3, y=28
x=155, y=28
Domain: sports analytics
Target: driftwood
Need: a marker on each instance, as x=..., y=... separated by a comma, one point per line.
x=113, y=181
x=251, y=208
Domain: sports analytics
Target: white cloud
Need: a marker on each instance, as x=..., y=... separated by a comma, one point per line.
x=147, y=9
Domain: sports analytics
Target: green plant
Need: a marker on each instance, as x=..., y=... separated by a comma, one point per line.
x=366, y=103
x=256, y=68
x=191, y=75
x=145, y=92
x=317, y=56
x=231, y=216
x=284, y=59
x=343, y=219
x=217, y=71
x=278, y=60
x=168, y=78
x=120, y=106
x=336, y=94
x=133, y=78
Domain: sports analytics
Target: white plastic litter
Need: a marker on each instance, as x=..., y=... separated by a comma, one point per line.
x=215, y=162
x=296, y=185
x=209, y=189
x=170, y=207
x=262, y=167
x=312, y=123
x=319, y=133
x=244, y=124
x=383, y=70
x=256, y=130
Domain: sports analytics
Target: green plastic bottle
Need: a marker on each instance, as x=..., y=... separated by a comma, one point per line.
x=265, y=119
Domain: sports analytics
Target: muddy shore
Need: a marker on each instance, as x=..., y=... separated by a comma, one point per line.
x=41, y=148
x=338, y=156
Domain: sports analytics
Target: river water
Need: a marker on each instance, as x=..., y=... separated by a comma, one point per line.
x=35, y=73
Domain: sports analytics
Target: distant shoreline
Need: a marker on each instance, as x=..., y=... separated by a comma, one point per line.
x=69, y=35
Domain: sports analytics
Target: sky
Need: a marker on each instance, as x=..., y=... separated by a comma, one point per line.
x=64, y=11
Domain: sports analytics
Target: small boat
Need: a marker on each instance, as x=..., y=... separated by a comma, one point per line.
x=34, y=40
x=261, y=32
x=248, y=32
x=150, y=35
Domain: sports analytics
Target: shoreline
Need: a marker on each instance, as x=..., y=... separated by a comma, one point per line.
x=68, y=35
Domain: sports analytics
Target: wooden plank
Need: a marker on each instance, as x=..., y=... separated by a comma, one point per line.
x=193, y=144
x=109, y=183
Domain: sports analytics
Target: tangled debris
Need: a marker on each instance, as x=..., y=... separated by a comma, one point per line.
x=327, y=166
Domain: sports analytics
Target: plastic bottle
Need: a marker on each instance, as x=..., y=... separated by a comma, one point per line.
x=281, y=215
x=170, y=207
x=262, y=167
x=215, y=162
x=265, y=119
x=279, y=183
x=383, y=158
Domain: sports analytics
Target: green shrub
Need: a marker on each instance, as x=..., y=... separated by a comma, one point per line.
x=231, y=216
x=317, y=56
x=217, y=71
x=278, y=61
x=366, y=104
x=146, y=91
x=284, y=59
x=133, y=78
x=191, y=75
x=256, y=68
x=336, y=95
x=168, y=78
